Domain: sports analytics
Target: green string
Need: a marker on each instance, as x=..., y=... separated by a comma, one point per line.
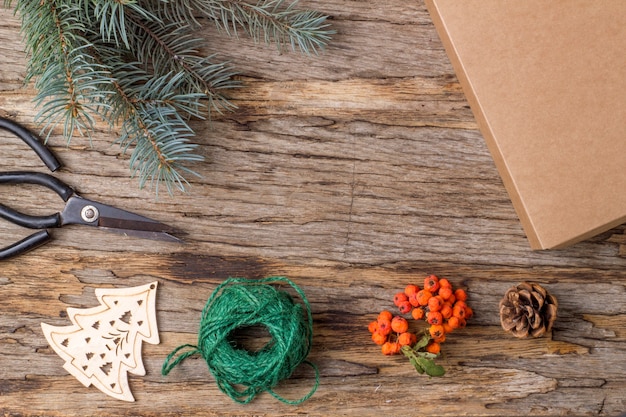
x=238, y=303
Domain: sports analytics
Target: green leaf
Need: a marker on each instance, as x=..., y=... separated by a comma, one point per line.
x=416, y=365
x=423, y=361
x=428, y=355
x=431, y=368
x=422, y=342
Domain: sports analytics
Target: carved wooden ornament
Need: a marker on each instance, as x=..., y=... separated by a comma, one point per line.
x=104, y=342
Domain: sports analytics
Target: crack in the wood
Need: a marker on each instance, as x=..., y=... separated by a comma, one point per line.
x=601, y=410
x=20, y=329
x=349, y=226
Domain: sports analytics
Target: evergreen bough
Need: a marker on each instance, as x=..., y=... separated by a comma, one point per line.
x=136, y=65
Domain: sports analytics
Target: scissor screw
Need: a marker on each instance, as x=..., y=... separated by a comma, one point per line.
x=89, y=214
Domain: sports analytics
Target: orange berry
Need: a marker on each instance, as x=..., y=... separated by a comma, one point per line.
x=435, y=303
x=459, y=311
x=423, y=296
x=453, y=322
x=444, y=283
x=431, y=283
x=462, y=323
x=445, y=292
x=405, y=307
x=385, y=315
x=399, y=324
x=434, y=348
x=434, y=317
x=384, y=327
x=440, y=339
x=378, y=338
x=451, y=299
x=413, y=300
x=411, y=289
x=447, y=328
x=400, y=298
x=407, y=339
x=436, y=330
x=460, y=294
x=446, y=311
x=468, y=313
x=390, y=348
x=417, y=313
x=373, y=326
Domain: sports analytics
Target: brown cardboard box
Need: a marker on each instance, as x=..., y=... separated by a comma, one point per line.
x=546, y=81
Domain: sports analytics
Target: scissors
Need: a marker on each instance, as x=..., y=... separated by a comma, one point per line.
x=78, y=210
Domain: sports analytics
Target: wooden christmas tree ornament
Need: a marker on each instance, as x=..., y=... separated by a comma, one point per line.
x=104, y=342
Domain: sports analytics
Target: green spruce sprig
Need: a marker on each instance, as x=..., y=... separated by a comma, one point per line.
x=136, y=64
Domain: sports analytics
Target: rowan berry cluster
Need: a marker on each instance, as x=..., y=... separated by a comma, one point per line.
x=442, y=307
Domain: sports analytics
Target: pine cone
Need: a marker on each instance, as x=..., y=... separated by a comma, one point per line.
x=528, y=310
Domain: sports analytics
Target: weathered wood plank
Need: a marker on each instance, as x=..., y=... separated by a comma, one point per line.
x=353, y=173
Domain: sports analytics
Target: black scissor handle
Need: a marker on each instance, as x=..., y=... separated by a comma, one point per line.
x=38, y=178
x=33, y=141
x=38, y=222
x=24, y=245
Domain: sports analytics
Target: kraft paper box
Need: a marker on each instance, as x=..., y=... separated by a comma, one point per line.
x=546, y=81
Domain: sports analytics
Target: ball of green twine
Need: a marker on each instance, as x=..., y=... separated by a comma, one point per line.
x=239, y=303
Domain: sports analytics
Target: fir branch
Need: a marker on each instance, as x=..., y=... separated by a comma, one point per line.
x=112, y=16
x=71, y=95
x=171, y=48
x=271, y=21
x=161, y=139
x=149, y=110
x=67, y=80
x=136, y=64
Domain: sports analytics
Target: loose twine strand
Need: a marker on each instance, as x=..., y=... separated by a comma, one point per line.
x=238, y=303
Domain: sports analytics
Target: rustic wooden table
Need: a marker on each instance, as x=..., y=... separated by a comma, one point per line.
x=353, y=173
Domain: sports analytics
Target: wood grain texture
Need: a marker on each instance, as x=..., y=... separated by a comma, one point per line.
x=353, y=173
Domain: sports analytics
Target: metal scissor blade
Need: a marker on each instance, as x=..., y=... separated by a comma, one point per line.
x=139, y=229
x=79, y=210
